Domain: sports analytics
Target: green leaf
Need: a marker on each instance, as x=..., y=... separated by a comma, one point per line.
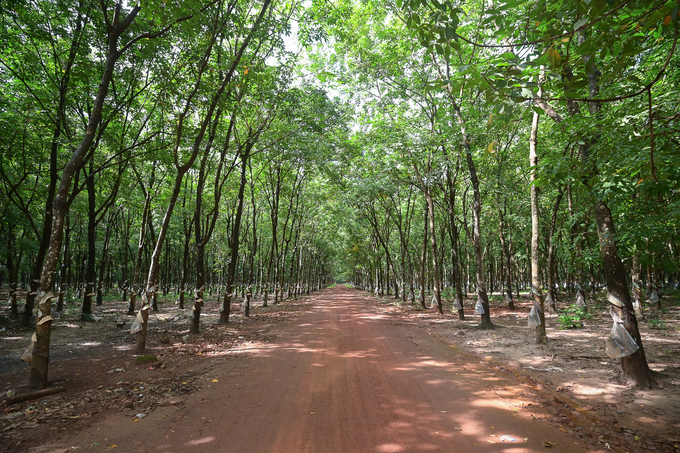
x=578, y=84
x=580, y=23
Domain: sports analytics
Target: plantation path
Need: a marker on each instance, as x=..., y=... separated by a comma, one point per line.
x=341, y=378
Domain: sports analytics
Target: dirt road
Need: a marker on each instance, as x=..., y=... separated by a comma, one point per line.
x=342, y=378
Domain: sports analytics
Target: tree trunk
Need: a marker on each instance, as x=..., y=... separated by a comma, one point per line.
x=477, y=241
x=634, y=366
x=551, y=252
x=12, y=269
x=40, y=358
x=435, y=255
x=86, y=311
x=102, y=266
x=199, y=288
x=541, y=336
x=185, y=264
x=423, y=258
x=454, y=238
x=638, y=293
x=234, y=242
x=507, y=268
x=146, y=213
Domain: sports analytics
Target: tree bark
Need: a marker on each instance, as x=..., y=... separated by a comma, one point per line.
x=435, y=255
x=536, y=291
x=423, y=258
x=91, y=245
x=507, y=268
x=551, y=251
x=234, y=242
x=634, y=366
x=102, y=266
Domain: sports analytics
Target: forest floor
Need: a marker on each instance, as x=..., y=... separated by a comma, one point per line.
x=570, y=382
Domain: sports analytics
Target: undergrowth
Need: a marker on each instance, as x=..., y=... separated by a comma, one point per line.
x=573, y=317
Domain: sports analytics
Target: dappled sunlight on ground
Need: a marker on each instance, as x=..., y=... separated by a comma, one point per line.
x=408, y=420
x=202, y=440
x=572, y=368
x=356, y=374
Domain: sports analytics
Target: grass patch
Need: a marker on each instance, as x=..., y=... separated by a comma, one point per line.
x=656, y=324
x=142, y=359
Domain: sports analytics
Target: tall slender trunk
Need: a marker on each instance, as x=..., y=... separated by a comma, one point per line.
x=185, y=263
x=12, y=269
x=454, y=238
x=423, y=258
x=217, y=96
x=91, y=244
x=146, y=213
x=234, y=242
x=102, y=265
x=435, y=254
x=40, y=358
x=476, y=211
x=507, y=267
x=552, y=292
x=541, y=336
x=477, y=241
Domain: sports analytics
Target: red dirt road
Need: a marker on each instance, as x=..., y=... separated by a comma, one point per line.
x=342, y=378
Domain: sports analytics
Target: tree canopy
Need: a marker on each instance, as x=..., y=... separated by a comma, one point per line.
x=431, y=150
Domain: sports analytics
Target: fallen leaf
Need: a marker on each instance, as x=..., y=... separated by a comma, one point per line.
x=490, y=441
x=215, y=380
x=547, y=443
x=457, y=429
x=443, y=412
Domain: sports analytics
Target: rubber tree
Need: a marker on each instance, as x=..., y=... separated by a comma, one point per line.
x=234, y=239
x=219, y=22
x=35, y=26
x=204, y=222
x=116, y=26
x=536, y=290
